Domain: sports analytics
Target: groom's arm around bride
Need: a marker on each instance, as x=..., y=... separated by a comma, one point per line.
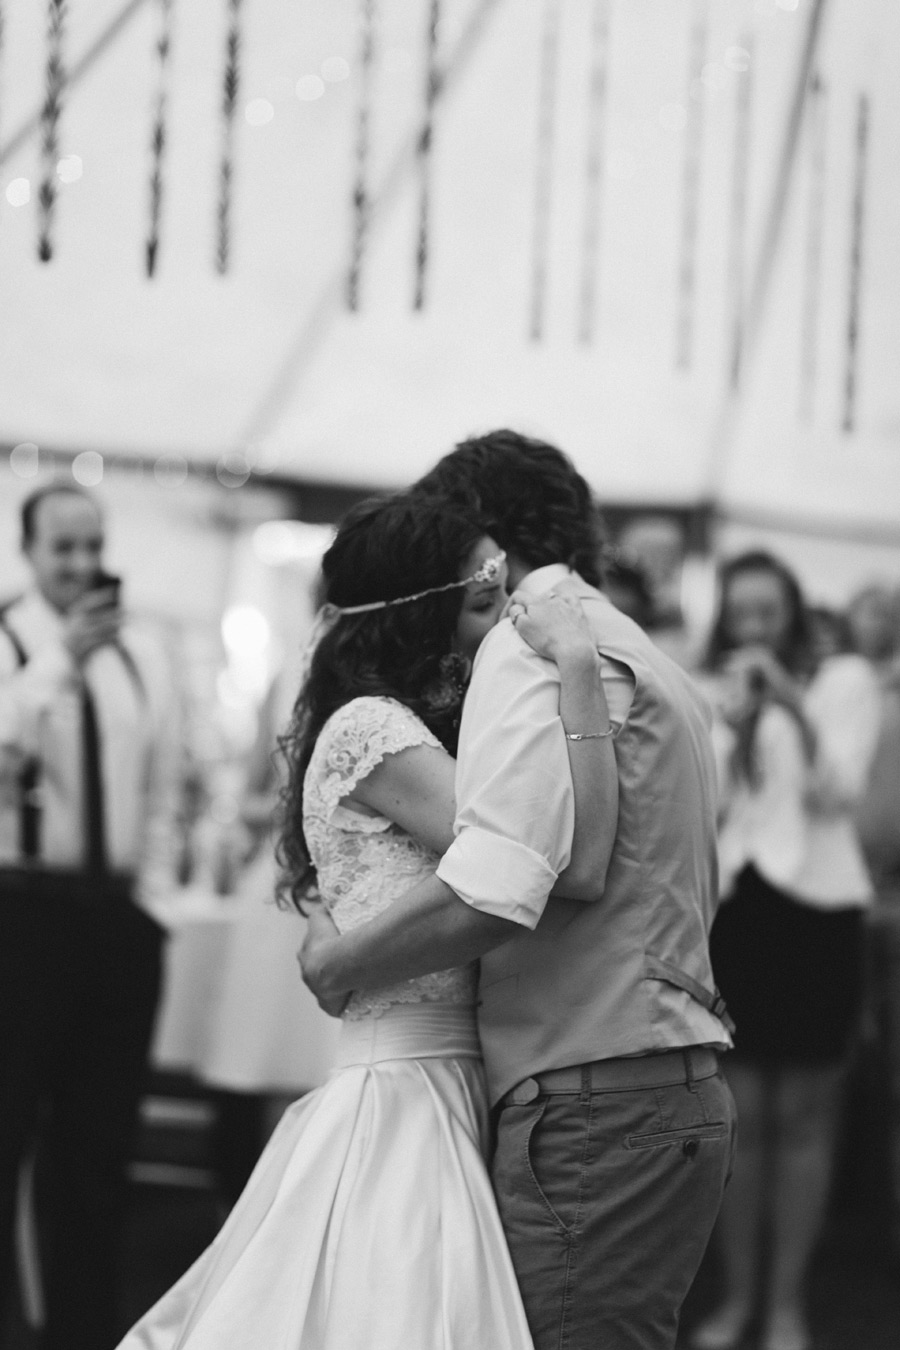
x=600, y=1022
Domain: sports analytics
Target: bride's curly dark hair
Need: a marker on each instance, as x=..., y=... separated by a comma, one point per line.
x=384, y=548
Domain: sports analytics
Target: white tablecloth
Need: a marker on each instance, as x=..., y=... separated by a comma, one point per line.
x=235, y=1011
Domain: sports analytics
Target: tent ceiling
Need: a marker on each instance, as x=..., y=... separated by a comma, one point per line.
x=631, y=241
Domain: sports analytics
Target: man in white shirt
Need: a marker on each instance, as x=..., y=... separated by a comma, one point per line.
x=89, y=750
x=599, y=1021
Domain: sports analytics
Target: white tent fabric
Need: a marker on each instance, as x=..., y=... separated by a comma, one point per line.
x=267, y=360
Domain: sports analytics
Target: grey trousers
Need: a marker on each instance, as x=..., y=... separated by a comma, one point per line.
x=608, y=1198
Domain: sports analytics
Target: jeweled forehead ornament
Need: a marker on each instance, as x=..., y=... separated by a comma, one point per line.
x=488, y=571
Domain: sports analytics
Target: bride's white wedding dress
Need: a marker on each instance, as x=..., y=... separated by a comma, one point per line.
x=369, y=1222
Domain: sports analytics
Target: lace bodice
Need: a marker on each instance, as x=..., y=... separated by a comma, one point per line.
x=364, y=862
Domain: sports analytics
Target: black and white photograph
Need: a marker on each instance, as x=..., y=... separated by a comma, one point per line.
x=449, y=675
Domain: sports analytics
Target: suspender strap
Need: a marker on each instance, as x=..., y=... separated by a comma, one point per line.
x=29, y=776
x=135, y=675
x=710, y=999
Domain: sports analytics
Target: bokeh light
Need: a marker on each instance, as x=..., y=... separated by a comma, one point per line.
x=18, y=192
x=233, y=470
x=258, y=112
x=87, y=468
x=70, y=168
x=281, y=542
x=24, y=459
x=244, y=629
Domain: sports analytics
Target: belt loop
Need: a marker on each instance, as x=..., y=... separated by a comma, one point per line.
x=689, y=1069
x=585, y=1084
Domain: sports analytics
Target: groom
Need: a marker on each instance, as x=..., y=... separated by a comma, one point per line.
x=599, y=1020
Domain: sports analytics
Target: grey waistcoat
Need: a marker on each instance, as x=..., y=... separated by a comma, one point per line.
x=628, y=974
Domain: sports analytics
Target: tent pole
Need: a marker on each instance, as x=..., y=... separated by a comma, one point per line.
x=72, y=77
x=723, y=428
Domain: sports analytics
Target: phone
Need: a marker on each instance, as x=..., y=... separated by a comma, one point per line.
x=105, y=581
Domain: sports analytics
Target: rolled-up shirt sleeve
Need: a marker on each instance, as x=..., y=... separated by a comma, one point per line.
x=515, y=803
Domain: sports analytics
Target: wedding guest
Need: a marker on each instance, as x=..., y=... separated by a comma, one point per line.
x=599, y=1021
x=796, y=743
x=89, y=756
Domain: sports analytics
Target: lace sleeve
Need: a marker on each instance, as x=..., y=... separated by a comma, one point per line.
x=353, y=741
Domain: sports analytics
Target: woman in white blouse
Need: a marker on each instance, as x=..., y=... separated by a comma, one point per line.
x=795, y=749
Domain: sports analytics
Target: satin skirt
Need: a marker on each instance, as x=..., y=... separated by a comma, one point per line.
x=369, y=1220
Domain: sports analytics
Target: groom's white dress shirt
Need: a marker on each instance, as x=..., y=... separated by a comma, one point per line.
x=515, y=803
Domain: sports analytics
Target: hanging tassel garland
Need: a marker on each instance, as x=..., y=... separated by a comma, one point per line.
x=544, y=177
x=230, y=87
x=425, y=148
x=158, y=136
x=690, y=187
x=55, y=79
x=817, y=102
x=593, y=171
x=857, y=224
x=739, y=203
x=361, y=203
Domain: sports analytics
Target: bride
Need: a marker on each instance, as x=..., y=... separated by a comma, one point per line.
x=369, y=1220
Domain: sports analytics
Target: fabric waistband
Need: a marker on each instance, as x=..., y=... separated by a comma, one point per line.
x=669, y=1067
x=409, y=1031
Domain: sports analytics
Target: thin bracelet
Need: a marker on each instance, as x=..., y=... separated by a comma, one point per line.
x=589, y=735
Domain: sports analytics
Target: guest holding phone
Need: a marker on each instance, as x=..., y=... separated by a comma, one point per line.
x=89, y=749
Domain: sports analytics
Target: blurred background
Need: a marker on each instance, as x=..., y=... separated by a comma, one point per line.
x=261, y=258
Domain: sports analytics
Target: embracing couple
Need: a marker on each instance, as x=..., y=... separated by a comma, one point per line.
x=517, y=942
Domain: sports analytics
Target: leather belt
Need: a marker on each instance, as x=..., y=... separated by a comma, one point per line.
x=669, y=1067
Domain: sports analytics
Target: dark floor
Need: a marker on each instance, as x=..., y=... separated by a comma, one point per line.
x=854, y=1285
x=854, y=1289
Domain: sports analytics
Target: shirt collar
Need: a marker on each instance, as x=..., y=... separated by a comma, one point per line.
x=543, y=579
x=39, y=611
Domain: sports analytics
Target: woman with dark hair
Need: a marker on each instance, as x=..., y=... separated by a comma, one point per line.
x=795, y=744
x=370, y=1220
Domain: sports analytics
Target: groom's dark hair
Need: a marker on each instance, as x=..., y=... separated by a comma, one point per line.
x=527, y=495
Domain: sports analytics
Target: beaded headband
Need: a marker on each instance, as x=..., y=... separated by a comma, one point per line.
x=488, y=571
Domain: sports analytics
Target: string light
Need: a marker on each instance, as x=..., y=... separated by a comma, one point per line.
x=24, y=460
x=18, y=192
x=87, y=468
x=259, y=112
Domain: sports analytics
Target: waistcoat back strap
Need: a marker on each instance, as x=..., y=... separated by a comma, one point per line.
x=658, y=969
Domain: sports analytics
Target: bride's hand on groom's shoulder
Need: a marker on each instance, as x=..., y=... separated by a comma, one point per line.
x=318, y=944
x=553, y=625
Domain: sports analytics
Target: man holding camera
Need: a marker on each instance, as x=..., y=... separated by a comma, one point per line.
x=89, y=754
